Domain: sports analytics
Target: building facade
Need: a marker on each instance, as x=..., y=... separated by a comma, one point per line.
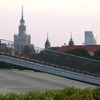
x=22, y=38
x=90, y=38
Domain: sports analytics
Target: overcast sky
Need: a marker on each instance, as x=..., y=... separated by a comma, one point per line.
x=57, y=17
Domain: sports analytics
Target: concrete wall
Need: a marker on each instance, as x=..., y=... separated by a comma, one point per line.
x=49, y=69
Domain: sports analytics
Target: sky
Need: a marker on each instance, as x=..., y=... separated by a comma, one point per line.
x=59, y=18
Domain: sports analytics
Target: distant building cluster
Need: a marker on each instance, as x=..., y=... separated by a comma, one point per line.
x=90, y=39
x=22, y=39
x=90, y=43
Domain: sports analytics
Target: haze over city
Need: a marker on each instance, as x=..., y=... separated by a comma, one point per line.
x=57, y=17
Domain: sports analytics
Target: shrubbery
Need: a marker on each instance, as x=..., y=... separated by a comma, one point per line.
x=66, y=94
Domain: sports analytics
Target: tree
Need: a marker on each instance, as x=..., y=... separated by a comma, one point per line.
x=28, y=50
x=54, y=48
x=97, y=55
x=8, y=50
x=78, y=52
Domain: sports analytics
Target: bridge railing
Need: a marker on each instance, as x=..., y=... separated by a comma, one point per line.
x=50, y=57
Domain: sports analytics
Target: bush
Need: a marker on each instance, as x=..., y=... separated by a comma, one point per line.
x=70, y=93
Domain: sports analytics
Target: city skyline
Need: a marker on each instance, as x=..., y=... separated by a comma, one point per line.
x=58, y=18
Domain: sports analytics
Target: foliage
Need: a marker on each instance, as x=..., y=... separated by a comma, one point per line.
x=51, y=57
x=8, y=50
x=78, y=52
x=70, y=93
x=28, y=51
x=96, y=93
x=69, y=61
x=54, y=48
x=97, y=55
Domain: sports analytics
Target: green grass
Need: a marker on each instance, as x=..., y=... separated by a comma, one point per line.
x=70, y=93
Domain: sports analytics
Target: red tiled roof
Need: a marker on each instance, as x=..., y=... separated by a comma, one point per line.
x=89, y=48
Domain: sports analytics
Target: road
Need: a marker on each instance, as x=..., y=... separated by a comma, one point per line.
x=26, y=80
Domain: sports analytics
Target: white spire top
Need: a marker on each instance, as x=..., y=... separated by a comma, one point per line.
x=22, y=11
x=71, y=34
x=47, y=35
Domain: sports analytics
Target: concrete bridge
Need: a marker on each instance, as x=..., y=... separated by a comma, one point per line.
x=49, y=69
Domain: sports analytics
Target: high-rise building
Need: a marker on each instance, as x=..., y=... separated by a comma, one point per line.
x=47, y=43
x=90, y=38
x=22, y=38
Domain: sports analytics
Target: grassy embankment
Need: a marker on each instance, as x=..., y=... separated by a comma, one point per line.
x=70, y=93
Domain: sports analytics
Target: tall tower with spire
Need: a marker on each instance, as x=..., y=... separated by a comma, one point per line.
x=47, y=43
x=71, y=42
x=22, y=38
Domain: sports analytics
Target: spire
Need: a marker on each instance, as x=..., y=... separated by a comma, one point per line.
x=22, y=27
x=47, y=43
x=71, y=35
x=71, y=42
x=22, y=11
x=22, y=21
x=47, y=35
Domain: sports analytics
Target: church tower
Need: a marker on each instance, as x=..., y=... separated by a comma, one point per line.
x=71, y=42
x=22, y=38
x=47, y=43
